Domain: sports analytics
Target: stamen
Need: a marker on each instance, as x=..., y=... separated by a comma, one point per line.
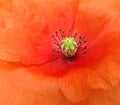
x=55, y=39
x=70, y=45
x=58, y=36
x=75, y=35
x=56, y=44
x=70, y=33
x=81, y=49
x=62, y=33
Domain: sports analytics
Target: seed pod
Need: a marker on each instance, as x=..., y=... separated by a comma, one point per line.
x=68, y=46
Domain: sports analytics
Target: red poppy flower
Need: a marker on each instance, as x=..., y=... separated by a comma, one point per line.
x=31, y=73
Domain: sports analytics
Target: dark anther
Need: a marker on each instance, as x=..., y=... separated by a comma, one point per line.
x=79, y=42
x=53, y=36
x=56, y=44
x=75, y=35
x=56, y=33
x=80, y=37
x=85, y=47
x=60, y=29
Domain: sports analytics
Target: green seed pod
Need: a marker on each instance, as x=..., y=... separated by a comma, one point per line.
x=68, y=46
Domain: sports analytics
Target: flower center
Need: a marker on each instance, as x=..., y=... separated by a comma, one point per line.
x=68, y=46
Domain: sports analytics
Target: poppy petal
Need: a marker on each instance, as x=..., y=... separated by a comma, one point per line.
x=18, y=86
x=74, y=87
x=31, y=37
